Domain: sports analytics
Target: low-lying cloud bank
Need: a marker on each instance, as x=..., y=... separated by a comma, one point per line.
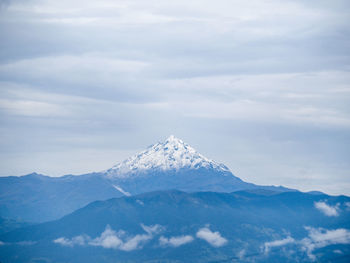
x=112, y=239
x=317, y=238
x=122, y=241
x=326, y=209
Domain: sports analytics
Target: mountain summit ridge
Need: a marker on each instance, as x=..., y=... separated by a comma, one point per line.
x=173, y=154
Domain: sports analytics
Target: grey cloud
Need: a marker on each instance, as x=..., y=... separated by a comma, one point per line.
x=248, y=33
x=94, y=76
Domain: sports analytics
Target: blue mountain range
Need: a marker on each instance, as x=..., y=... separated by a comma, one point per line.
x=167, y=204
x=167, y=165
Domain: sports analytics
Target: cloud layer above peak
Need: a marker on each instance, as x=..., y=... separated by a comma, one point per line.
x=97, y=80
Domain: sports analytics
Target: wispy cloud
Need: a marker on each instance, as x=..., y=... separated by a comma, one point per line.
x=78, y=240
x=319, y=237
x=20, y=243
x=213, y=238
x=326, y=209
x=175, y=241
x=32, y=108
x=241, y=254
x=278, y=243
x=316, y=238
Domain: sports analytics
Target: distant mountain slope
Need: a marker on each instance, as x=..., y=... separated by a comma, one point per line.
x=174, y=226
x=38, y=198
x=7, y=224
x=172, y=164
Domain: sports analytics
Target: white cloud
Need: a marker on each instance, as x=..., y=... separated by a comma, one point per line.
x=63, y=241
x=108, y=239
x=327, y=209
x=112, y=239
x=319, y=237
x=78, y=240
x=175, y=241
x=155, y=229
x=213, y=238
x=278, y=243
x=135, y=242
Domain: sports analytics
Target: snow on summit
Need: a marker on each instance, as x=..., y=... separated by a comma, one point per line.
x=173, y=154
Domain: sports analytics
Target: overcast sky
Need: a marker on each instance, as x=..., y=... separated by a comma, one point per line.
x=261, y=86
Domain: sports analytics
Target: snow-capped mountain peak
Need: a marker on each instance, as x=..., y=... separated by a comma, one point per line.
x=173, y=154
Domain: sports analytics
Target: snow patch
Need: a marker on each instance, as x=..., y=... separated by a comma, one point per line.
x=173, y=154
x=121, y=190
